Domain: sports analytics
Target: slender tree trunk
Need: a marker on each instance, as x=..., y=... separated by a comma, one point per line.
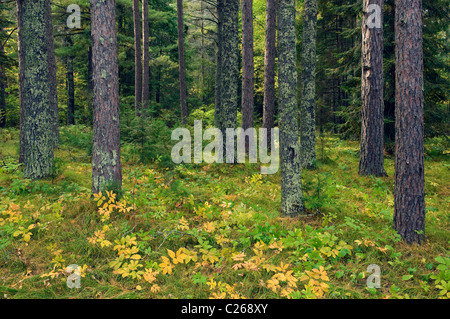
x=248, y=77
x=230, y=67
x=37, y=117
x=248, y=80
x=137, y=58
x=308, y=112
x=269, y=69
x=372, y=108
x=106, y=165
x=52, y=73
x=181, y=63
x=70, y=86
x=219, y=50
x=409, y=197
x=145, y=56
x=2, y=89
x=290, y=166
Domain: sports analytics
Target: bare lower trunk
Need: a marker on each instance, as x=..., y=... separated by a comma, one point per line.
x=52, y=74
x=230, y=65
x=308, y=103
x=409, y=197
x=372, y=108
x=70, y=86
x=2, y=90
x=137, y=58
x=269, y=69
x=106, y=165
x=182, y=67
x=37, y=116
x=218, y=79
x=247, y=66
x=145, y=57
x=290, y=166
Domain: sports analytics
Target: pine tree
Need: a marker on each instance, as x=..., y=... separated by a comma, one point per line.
x=145, y=57
x=409, y=196
x=229, y=70
x=269, y=69
x=372, y=109
x=37, y=116
x=106, y=164
x=308, y=103
x=137, y=58
x=181, y=62
x=248, y=80
x=290, y=166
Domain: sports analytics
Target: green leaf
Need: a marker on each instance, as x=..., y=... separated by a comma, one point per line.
x=407, y=277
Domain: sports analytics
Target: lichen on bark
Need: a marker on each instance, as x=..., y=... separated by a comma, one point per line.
x=37, y=117
x=290, y=166
x=308, y=114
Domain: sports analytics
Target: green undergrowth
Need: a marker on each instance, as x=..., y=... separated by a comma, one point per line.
x=215, y=230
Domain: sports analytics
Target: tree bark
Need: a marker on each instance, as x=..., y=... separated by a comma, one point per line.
x=269, y=70
x=218, y=79
x=308, y=113
x=2, y=89
x=52, y=73
x=290, y=166
x=181, y=63
x=230, y=67
x=70, y=86
x=248, y=80
x=137, y=58
x=372, y=108
x=145, y=57
x=37, y=116
x=106, y=165
x=409, y=197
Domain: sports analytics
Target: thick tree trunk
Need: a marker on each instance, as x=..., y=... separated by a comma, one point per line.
x=269, y=69
x=247, y=65
x=308, y=112
x=70, y=86
x=230, y=66
x=218, y=80
x=409, y=197
x=52, y=74
x=37, y=116
x=145, y=57
x=106, y=165
x=372, y=108
x=182, y=67
x=290, y=166
x=137, y=58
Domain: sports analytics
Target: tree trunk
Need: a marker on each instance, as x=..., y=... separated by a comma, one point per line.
x=70, y=86
x=37, y=116
x=409, y=198
x=290, y=166
x=219, y=50
x=137, y=58
x=52, y=74
x=230, y=66
x=2, y=89
x=145, y=57
x=247, y=65
x=308, y=113
x=182, y=67
x=269, y=70
x=372, y=108
x=106, y=165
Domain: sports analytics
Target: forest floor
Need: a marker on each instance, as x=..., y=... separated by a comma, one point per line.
x=215, y=231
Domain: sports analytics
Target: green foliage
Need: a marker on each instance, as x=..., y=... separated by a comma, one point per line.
x=146, y=139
